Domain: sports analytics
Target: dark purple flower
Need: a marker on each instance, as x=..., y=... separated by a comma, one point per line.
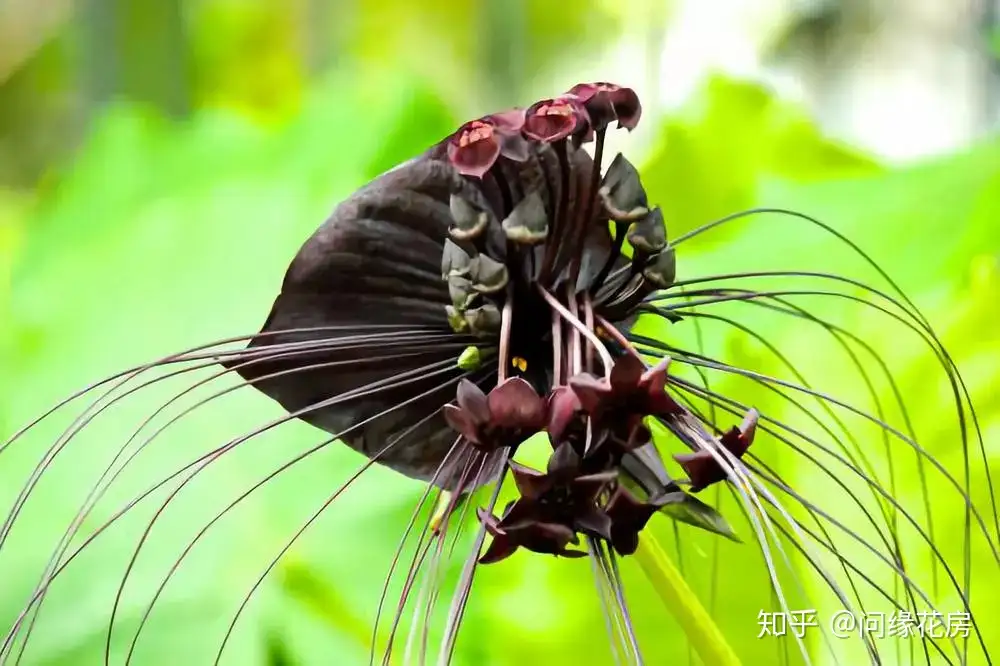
x=561, y=501
x=521, y=531
x=476, y=146
x=606, y=102
x=631, y=389
x=511, y=412
x=702, y=467
x=629, y=516
x=554, y=119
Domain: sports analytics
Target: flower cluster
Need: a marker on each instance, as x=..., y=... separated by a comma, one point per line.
x=529, y=266
x=585, y=109
x=595, y=426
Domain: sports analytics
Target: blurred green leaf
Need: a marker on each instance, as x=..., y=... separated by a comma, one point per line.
x=714, y=156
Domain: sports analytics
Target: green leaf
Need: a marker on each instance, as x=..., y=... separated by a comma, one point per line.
x=692, y=511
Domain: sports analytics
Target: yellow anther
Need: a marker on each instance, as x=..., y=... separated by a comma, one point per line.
x=519, y=363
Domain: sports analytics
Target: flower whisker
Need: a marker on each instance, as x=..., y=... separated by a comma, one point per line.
x=734, y=407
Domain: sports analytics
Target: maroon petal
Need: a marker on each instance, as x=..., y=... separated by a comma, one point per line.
x=701, y=468
x=507, y=122
x=587, y=488
x=474, y=148
x=627, y=107
x=564, y=462
x=597, y=102
x=738, y=440
x=515, y=404
x=547, y=538
x=519, y=514
x=626, y=373
x=606, y=102
x=638, y=433
x=654, y=380
x=661, y=404
x=625, y=542
x=531, y=484
x=499, y=549
x=554, y=119
x=590, y=391
x=472, y=399
x=462, y=423
x=594, y=521
x=490, y=522
x=557, y=533
x=564, y=407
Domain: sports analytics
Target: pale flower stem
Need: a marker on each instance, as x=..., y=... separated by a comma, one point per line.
x=579, y=326
x=704, y=635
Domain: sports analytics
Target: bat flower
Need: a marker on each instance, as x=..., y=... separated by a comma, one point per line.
x=628, y=515
x=606, y=102
x=511, y=412
x=554, y=119
x=524, y=531
x=512, y=279
x=703, y=467
x=560, y=501
x=631, y=388
x=477, y=145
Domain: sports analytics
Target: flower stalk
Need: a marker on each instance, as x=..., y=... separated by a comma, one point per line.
x=704, y=634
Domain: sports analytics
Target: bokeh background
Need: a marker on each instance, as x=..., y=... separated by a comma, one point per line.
x=161, y=161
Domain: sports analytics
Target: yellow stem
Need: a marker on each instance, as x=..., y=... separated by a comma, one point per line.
x=701, y=630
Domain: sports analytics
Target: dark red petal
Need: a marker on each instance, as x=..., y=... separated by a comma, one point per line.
x=490, y=522
x=474, y=148
x=583, y=91
x=507, y=122
x=749, y=427
x=519, y=513
x=587, y=487
x=472, y=399
x=555, y=532
x=590, y=391
x=564, y=406
x=594, y=521
x=515, y=404
x=654, y=379
x=627, y=107
x=606, y=102
x=531, y=484
x=701, y=468
x=499, y=549
x=661, y=404
x=625, y=542
x=462, y=423
x=564, y=462
x=514, y=147
x=626, y=509
x=738, y=440
x=625, y=374
x=554, y=119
